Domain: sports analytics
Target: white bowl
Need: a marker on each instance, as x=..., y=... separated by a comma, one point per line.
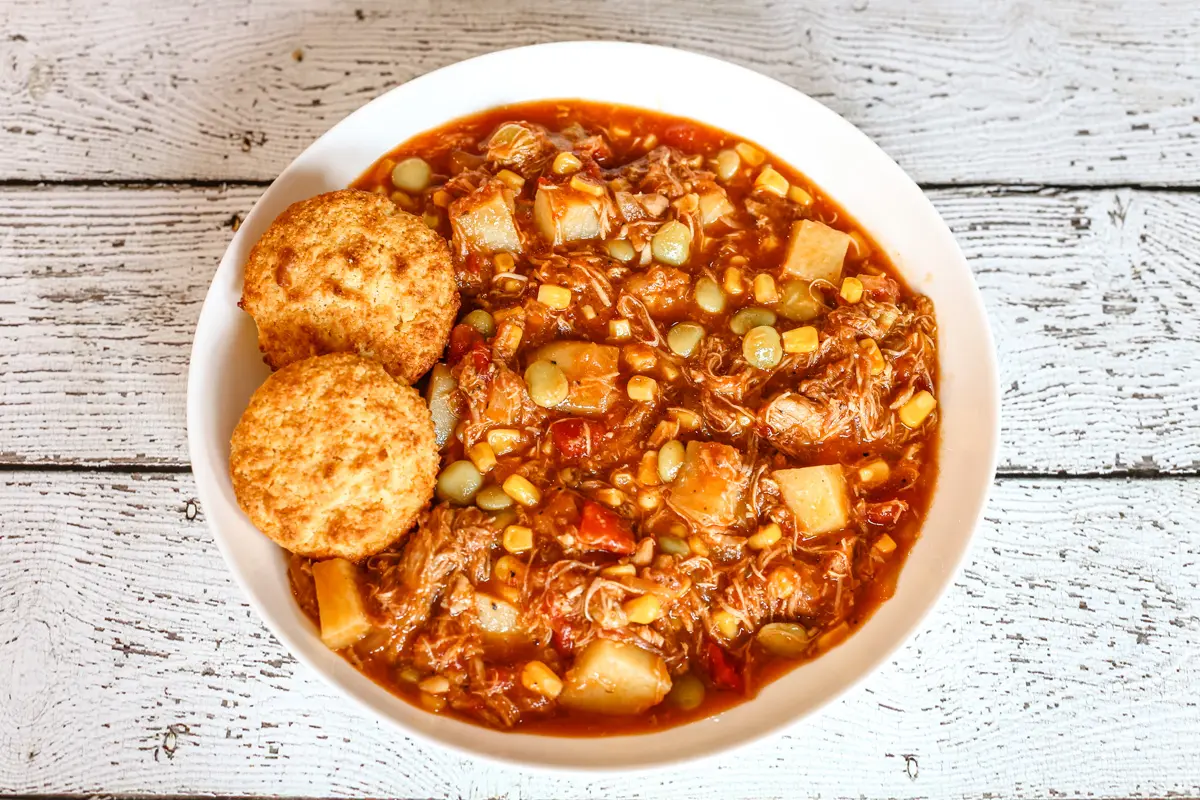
x=226, y=365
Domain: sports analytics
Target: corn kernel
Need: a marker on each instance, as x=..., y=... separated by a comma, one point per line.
x=566, y=164
x=517, y=539
x=650, y=142
x=613, y=498
x=514, y=181
x=799, y=196
x=438, y=684
x=581, y=184
x=649, y=500
x=874, y=356
x=507, y=340
x=639, y=357
x=688, y=420
x=504, y=262
x=503, y=440
x=621, y=250
x=764, y=289
x=622, y=479
x=648, y=469
x=432, y=220
x=770, y=181
x=782, y=582
x=669, y=371
x=404, y=200
x=556, y=297
x=726, y=624
x=441, y=198
x=801, y=340
x=432, y=702
x=698, y=546
x=510, y=593
x=521, y=490
x=914, y=412
x=886, y=545
x=643, y=610
x=875, y=472
x=509, y=570
x=750, y=154
x=619, y=330
x=619, y=571
x=766, y=536
x=482, y=456
x=663, y=432
x=540, y=679
x=852, y=290
x=642, y=389
x=734, y=283
x=588, y=311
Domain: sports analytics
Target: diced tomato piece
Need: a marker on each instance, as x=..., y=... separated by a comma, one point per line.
x=563, y=639
x=463, y=339
x=725, y=672
x=481, y=357
x=888, y=513
x=682, y=136
x=474, y=264
x=601, y=529
x=880, y=288
x=575, y=438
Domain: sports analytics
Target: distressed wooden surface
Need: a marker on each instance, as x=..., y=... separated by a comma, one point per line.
x=1002, y=91
x=1093, y=297
x=1062, y=663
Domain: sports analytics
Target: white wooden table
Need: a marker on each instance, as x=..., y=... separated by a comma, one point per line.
x=1060, y=140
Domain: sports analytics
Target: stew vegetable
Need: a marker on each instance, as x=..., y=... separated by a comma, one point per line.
x=687, y=423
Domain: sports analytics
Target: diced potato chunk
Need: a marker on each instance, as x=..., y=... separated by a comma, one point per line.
x=710, y=485
x=817, y=496
x=440, y=397
x=563, y=214
x=496, y=616
x=815, y=252
x=339, y=603
x=483, y=221
x=591, y=371
x=615, y=678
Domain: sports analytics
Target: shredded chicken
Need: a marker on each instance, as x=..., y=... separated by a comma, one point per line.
x=669, y=508
x=405, y=586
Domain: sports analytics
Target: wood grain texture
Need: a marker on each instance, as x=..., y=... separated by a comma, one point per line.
x=997, y=91
x=1093, y=297
x=1063, y=663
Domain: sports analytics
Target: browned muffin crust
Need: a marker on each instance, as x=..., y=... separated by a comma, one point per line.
x=334, y=457
x=347, y=271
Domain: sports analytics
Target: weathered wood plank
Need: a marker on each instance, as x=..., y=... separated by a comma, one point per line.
x=1063, y=663
x=1093, y=296
x=1003, y=91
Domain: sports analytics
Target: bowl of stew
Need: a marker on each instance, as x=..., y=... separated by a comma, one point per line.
x=719, y=412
